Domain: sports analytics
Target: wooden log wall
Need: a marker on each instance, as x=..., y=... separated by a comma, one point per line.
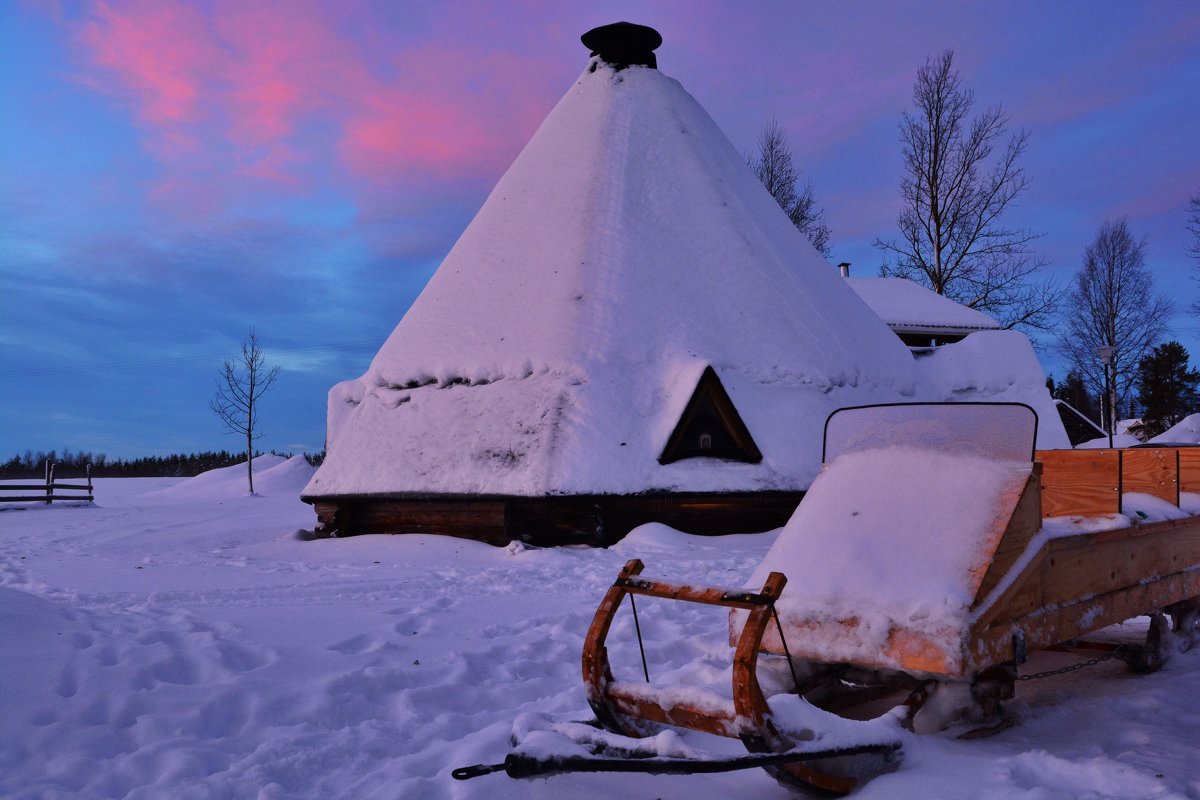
x=597, y=520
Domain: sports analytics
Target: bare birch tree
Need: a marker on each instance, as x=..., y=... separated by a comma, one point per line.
x=1193, y=225
x=1113, y=304
x=776, y=168
x=242, y=382
x=958, y=186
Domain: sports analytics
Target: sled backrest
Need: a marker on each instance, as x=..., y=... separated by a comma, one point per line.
x=1001, y=431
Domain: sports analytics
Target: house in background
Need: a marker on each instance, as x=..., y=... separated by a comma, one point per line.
x=1080, y=427
x=921, y=317
x=630, y=330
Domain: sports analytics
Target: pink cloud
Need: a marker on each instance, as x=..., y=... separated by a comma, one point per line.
x=250, y=89
x=448, y=113
x=159, y=50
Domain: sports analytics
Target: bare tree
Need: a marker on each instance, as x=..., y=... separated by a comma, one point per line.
x=956, y=189
x=1113, y=304
x=776, y=168
x=242, y=382
x=1193, y=225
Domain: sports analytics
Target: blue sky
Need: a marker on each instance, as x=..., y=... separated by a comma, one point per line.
x=173, y=174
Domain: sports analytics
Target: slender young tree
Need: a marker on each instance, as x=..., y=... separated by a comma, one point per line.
x=1193, y=225
x=1166, y=385
x=242, y=383
x=1113, y=304
x=956, y=188
x=776, y=168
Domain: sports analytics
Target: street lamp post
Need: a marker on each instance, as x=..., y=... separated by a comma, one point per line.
x=1106, y=354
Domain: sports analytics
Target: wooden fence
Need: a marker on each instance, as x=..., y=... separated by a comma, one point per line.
x=1091, y=482
x=49, y=490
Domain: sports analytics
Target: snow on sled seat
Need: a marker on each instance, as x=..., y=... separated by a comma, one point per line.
x=896, y=537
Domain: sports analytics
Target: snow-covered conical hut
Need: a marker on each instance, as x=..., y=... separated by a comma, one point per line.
x=629, y=330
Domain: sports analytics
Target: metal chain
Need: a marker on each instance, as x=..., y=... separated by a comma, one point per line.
x=1064, y=670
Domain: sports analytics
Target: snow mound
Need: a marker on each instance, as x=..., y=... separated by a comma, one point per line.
x=272, y=475
x=993, y=366
x=1186, y=430
x=1118, y=440
x=1148, y=508
x=889, y=538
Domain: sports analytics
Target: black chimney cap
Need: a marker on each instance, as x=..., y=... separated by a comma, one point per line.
x=623, y=44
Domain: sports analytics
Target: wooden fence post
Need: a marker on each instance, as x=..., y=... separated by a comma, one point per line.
x=49, y=481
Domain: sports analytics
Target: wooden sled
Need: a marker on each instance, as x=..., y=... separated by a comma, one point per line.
x=1025, y=590
x=626, y=708
x=1027, y=596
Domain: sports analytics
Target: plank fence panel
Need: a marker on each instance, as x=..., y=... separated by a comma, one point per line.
x=1153, y=471
x=47, y=490
x=1189, y=469
x=1080, y=482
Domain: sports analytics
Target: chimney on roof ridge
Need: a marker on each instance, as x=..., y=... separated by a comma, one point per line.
x=844, y=268
x=623, y=44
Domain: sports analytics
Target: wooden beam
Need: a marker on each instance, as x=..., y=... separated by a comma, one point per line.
x=1053, y=625
x=1025, y=521
x=708, y=595
x=636, y=705
x=1079, y=584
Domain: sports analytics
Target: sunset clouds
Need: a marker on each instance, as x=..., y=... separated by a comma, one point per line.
x=256, y=90
x=174, y=172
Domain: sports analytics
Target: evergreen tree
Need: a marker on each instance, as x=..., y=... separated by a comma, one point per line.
x=1073, y=391
x=1167, y=388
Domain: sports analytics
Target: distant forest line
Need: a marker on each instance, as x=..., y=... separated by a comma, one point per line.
x=32, y=464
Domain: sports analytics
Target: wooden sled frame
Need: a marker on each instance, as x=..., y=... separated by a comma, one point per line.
x=747, y=718
x=1072, y=585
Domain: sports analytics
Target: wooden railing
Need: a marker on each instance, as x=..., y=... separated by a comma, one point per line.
x=49, y=490
x=1092, y=482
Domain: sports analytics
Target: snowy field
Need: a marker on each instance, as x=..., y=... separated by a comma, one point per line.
x=178, y=640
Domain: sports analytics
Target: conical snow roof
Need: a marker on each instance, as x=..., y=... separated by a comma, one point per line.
x=627, y=248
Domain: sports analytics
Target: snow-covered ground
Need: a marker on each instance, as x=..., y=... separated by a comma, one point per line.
x=179, y=640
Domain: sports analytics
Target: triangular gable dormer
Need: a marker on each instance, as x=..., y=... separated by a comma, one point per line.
x=710, y=427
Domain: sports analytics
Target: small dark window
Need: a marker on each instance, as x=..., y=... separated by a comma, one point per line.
x=710, y=427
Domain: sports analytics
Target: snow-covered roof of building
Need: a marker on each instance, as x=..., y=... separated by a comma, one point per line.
x=908, y=307
x=628, y=247
x=555, y=349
